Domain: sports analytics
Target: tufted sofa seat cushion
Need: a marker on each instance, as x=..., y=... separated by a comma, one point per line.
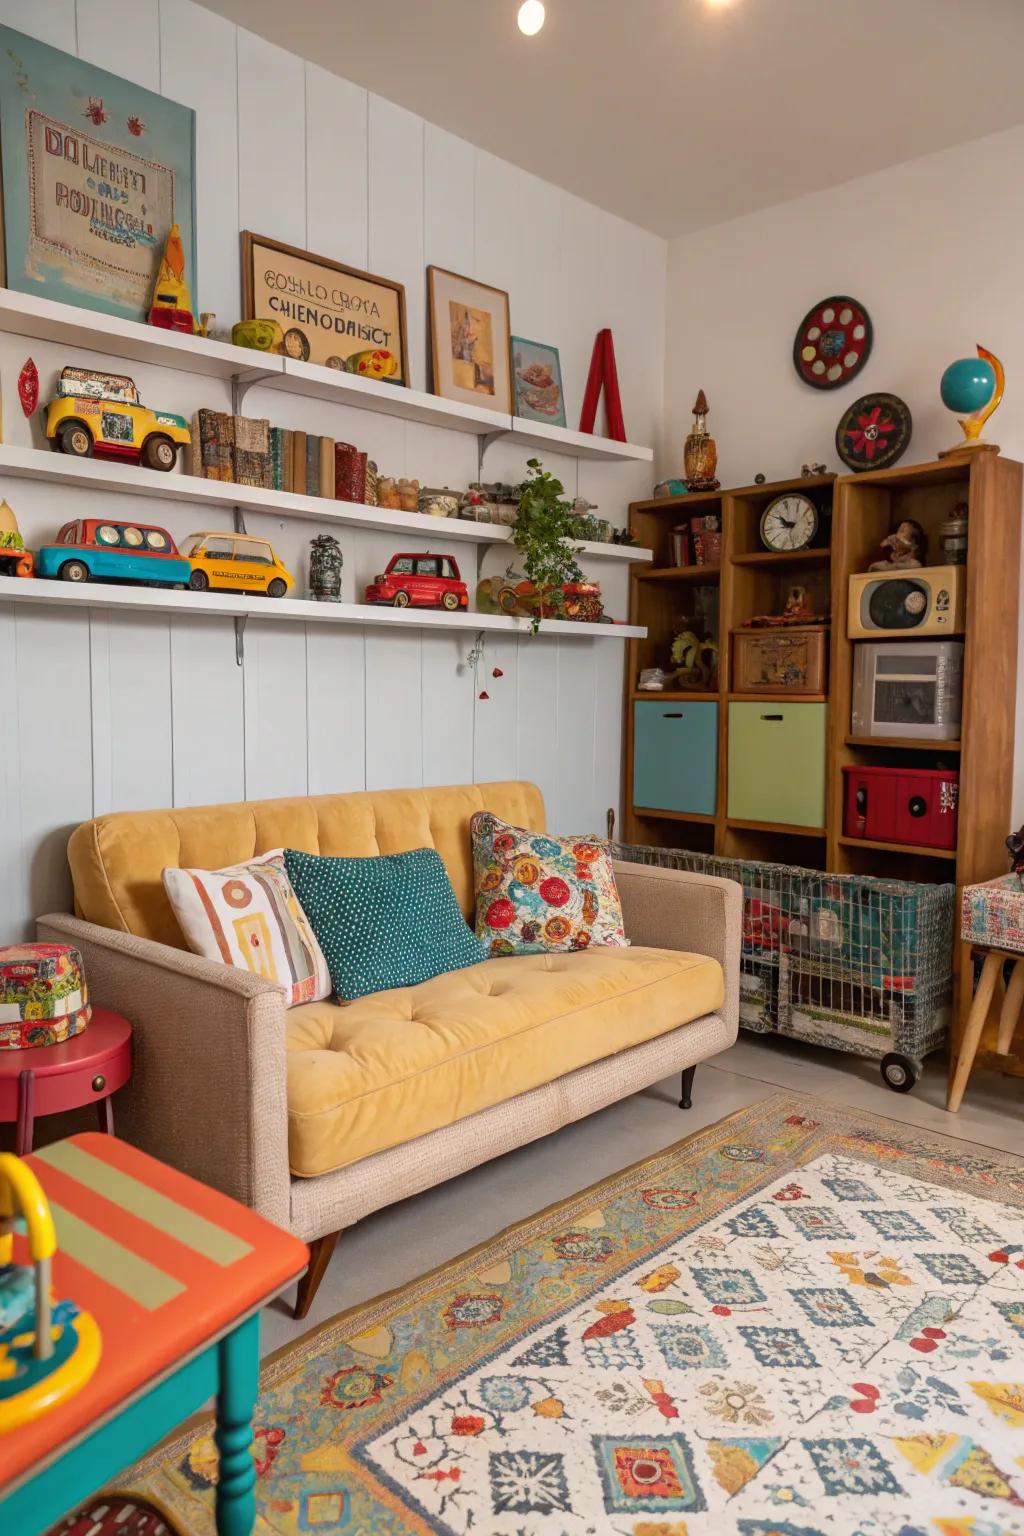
x=387, y=1068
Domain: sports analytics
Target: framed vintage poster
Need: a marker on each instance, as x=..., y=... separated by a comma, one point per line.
x=328, y=313
x=537, y=378
x=470, y=340
x=95, y=172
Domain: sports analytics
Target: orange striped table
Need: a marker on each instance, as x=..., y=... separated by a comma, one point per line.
x=175, y=1275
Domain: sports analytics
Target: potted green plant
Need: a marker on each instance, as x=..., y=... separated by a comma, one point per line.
x=543, y=533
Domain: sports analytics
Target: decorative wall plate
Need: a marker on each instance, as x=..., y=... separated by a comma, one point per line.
x=874, y=432
x=833, y=342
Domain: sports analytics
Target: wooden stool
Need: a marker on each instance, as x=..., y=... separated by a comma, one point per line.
x=1009, y=1015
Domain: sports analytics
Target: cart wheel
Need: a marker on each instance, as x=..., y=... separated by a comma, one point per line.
x=899, y=1073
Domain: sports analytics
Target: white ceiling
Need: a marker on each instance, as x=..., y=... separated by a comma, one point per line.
x=678, y=114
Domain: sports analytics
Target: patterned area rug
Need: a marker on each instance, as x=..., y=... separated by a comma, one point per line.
x=801, y=1321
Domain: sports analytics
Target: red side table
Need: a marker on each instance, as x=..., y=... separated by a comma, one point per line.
x=86, y=1069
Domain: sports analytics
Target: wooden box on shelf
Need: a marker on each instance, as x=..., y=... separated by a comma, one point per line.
x=789, y=660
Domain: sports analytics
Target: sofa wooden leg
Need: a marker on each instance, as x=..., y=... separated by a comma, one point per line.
x=320, y=1251
x=686, y=1101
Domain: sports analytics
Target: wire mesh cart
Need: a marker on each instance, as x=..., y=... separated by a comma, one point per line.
x=848, y=961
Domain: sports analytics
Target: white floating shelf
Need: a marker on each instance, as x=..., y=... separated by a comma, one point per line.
x=140, y=599
x=190, y=490
x=70, y=325
x=581, y=445
x=318, y=383
x=22, y=314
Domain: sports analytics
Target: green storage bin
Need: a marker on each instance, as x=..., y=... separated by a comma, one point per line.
x=675, y=756
x=777, y=763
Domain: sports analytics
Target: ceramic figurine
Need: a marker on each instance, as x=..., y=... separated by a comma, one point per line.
x=378, y=363
x=696, y=661
x=15, y=559
x=814, y=468
x=261, y=335
x=975, y=387
x=172, y=303
x=420, y=581
x=906, y=548
x=235, y=562
x=95, y=549
x=101, y=414
x=325, y=566
x=700, y=457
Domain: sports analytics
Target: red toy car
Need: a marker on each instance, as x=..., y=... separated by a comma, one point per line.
x=420, y=581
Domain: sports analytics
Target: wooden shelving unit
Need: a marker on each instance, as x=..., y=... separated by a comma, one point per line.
x=867, y=507
x=748, y=581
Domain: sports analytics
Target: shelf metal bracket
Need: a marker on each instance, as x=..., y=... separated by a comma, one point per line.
x=482, y=445
x=240, y=623
x=241, y=383
x=239, y=517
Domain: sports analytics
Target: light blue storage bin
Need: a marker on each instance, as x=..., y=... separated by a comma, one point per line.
x=675, y=756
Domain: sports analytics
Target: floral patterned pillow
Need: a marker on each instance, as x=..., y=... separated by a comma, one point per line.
x=542, y=895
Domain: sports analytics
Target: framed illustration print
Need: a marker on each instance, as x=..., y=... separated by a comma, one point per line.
x=328, y=313
x=470, y=340
x=537, y=378
x=95, y=172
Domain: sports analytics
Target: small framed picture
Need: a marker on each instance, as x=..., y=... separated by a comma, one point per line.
x=328, y=313
x=470, y=340
x=537, y=379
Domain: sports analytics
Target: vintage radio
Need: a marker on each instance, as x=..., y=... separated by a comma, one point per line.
x=908, y=688
x=925, y=600
x=902, y=805
x=789, y=660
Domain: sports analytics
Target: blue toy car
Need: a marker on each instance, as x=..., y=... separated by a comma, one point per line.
x=92, y=549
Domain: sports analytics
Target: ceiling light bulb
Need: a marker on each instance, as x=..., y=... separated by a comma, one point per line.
x=531, y=17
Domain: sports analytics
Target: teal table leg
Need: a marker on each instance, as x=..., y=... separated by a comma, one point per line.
x=239, y=1356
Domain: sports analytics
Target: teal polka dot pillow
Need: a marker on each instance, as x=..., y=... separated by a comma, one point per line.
x=383, y=922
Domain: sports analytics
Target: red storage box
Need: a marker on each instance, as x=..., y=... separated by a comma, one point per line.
x=902, y=805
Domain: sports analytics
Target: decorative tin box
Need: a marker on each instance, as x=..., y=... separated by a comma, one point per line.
x=993, y=913
x=902, y=805
x=43, y=996
x=780, y=661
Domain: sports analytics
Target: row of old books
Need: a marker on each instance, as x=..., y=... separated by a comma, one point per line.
x=246, y=450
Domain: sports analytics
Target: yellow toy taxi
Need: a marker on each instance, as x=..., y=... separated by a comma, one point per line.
x=101, y=414
x=235, y=562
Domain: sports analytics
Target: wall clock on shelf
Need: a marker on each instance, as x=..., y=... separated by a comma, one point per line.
x=833, y=342
x=874, y=432
x=789, y=523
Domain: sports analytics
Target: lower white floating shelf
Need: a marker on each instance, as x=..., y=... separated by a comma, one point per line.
x=140, y=599
x=224, y=496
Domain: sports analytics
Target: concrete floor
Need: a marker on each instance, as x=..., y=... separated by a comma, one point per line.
x=409, y=1239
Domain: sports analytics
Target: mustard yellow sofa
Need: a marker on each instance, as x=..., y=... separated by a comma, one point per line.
x=319, y=1114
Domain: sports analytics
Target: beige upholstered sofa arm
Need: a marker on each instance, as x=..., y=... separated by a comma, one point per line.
x=208, y=1092
x=673, y=909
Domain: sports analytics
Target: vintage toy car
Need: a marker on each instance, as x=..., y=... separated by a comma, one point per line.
x=517, y=597
x=95, y=549
x=101, y=413
x=234, y=562
x=420, y=581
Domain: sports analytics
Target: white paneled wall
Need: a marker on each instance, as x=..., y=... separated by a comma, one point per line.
x=114, y=711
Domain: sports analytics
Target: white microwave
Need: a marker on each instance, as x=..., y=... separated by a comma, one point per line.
x=910, y=688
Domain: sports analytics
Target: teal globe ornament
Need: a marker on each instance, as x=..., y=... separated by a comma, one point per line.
x=973, y=388
x=968, y=385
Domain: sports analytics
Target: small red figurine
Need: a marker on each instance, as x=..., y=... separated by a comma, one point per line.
x=420, y=581
x=28, y=387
